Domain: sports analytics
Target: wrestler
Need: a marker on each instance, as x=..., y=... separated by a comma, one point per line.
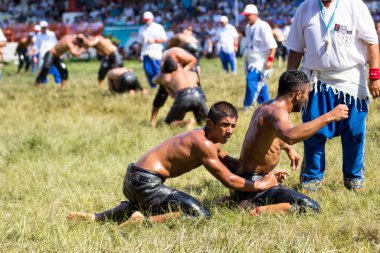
x=22, y=52
x=182, y=60
x=143, y=183
x=182, y=85
x=72, y=43
x=111, y=57
x=270, y=132
x=124, y=80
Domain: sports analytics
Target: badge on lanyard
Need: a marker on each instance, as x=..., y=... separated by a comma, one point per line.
x=329, y=24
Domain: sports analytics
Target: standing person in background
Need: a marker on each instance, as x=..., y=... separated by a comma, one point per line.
x=336, y=39
x=22, y=52
x=45, y=40
x=279, y=38
x=258, y=56
x=3, y=43
x=227, y=39
x=151, y=37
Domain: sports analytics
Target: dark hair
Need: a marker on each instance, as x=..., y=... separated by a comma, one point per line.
x=220, y=110
x=291, y=81
x=169, y=65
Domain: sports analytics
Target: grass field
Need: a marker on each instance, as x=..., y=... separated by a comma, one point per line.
x=68, y=151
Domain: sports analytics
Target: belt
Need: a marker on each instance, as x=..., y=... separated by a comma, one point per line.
x=188, y=90
x=142, y=175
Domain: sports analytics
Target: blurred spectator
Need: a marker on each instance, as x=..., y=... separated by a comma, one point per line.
x=227, y=44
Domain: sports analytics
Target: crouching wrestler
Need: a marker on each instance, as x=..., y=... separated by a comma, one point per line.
x=143, y=183
x=270, y=132
x=122, y=80
x=182, y=85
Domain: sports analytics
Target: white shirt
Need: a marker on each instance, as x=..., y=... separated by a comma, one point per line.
x=259, y=40
x=45, y=42
x=343, y=46
x=153, y=31
x=2, y=37
x=226, y=36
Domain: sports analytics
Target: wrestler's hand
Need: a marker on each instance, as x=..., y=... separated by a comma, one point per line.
x=295, y=158
x=280, y=174
x=339, y=113
x=374, y=88
x=268, y=181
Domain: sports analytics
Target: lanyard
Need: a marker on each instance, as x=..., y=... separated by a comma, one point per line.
x=252, y=34
x=321, y=7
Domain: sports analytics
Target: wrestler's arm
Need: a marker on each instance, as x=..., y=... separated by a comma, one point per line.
x=230, y=162
x=295, y=158
x=294, y=60
x=89, y=42
x=75, y=50
x=208, y=154
x=187, y=60
x=373, y=62
x=291, y=135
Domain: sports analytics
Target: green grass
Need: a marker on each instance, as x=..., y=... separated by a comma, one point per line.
x=68, y=151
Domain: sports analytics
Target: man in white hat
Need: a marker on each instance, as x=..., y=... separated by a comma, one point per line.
x=258, y=56
x=151, y=36
x=336, y=40
x=3, y=43
x=45, y=40
x=227, y=38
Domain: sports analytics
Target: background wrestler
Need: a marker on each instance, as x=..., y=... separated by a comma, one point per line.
x=22, y=52
x=72, y=43
x=143, y=183
x=181, y=84
x=270, y=132
x=180, y=59
x=111, y=57
x=124, y=80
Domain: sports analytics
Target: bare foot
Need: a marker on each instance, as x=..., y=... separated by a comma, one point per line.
x=80, y=216
x=136, y=218
x=144, y=92
x=153, y=123
x=191, y=124
x=132, y=93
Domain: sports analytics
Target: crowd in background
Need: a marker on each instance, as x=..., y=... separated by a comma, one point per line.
x=18, y=17
x=200, y=14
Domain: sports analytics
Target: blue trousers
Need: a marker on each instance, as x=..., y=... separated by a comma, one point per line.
x=352, y=131
x=228, y=58
x=251, y=92
x=151, y=68
x=57, y=77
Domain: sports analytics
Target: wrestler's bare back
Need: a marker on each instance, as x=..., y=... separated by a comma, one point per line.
x=104, y=46
x=262, y=148
x=177, y=155
x=64, y=45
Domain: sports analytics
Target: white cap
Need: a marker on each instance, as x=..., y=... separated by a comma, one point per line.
x=148, y=15
x=44, y=23
x=224, y=19
x=250, y=9
x=37, y=28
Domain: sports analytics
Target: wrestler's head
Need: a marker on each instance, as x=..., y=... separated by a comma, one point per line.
x=169, y=65
x=294, y=85
x=221, y=122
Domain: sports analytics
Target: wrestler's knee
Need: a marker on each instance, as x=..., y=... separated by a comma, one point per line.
x=189, y=205
x=307, y=204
